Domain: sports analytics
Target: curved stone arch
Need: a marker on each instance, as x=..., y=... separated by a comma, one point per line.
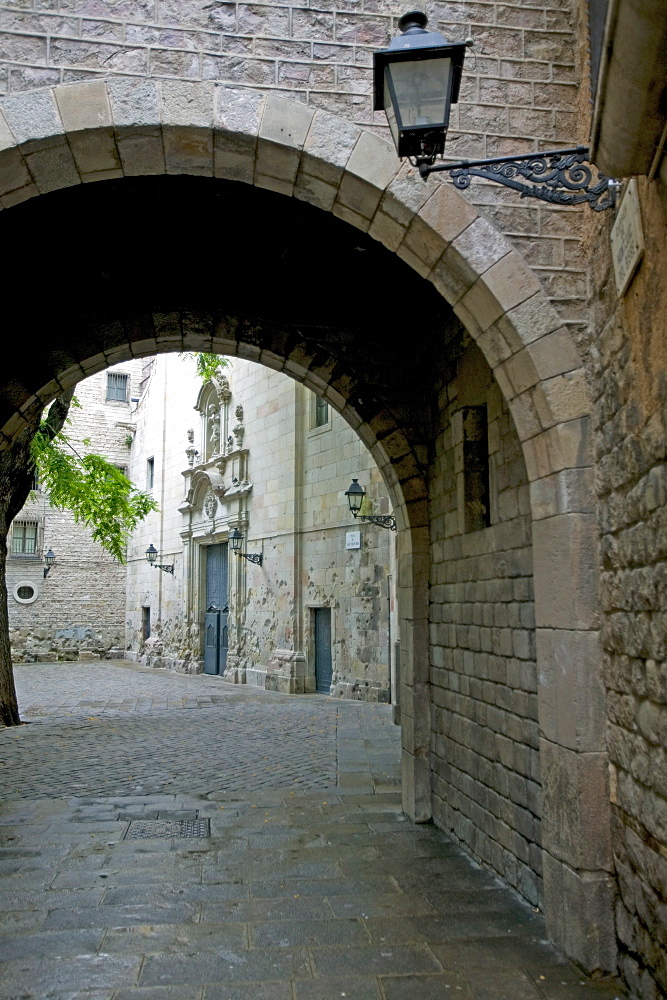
x=78, y=133
x=60, y=137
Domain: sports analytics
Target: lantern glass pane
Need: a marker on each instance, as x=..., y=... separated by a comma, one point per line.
x=421, y=90
x=389, y=107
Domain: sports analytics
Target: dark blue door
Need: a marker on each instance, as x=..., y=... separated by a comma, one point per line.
x=217, y=611
x=323, y=649
x=211, y=641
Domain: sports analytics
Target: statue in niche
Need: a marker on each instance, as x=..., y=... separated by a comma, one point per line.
x=214, y=429
x=239, y=430
x=230, y=444
x=221, y=384
x=191, y=451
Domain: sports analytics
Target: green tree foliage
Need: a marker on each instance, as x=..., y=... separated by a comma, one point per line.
x=207, y=365
x=92, y=489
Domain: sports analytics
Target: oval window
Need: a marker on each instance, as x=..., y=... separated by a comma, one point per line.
x=25, y=592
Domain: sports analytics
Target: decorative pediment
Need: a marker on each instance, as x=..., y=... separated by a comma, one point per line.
x=205, y=481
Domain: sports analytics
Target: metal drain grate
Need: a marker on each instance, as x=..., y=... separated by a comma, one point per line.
x=139, y=828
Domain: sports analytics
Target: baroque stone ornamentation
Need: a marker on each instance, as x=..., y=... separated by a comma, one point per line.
x=191, y=451
x=210, y=505
x=214, y=429
x=222, y=389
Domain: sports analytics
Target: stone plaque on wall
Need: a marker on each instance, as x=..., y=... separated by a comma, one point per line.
x=353, y=540
x=627, y=238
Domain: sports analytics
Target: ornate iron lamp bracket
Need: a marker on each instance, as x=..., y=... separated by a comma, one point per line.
x=253, y=557
x=165, y=567
x=382, y=520
x=559, y=176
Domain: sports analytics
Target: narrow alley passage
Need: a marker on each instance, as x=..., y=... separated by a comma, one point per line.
x=172, y=837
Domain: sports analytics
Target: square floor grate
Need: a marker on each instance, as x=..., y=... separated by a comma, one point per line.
x=139, y=828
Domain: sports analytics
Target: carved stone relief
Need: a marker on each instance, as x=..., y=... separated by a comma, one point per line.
x=191, y=451
x=210, y=504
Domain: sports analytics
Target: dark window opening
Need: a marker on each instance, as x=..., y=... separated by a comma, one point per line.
x=150, y=473
x=25, y=593
x=146, y=623
x=321, y=412
x=475, y=468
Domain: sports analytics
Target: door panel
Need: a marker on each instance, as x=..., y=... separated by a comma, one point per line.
x=217, y=611
x=323, y=650
x=211, y=641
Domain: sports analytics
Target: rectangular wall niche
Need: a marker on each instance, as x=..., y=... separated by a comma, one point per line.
x=471, y=448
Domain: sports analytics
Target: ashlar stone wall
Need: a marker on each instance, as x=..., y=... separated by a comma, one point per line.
x=484, y=753
x=79, y=609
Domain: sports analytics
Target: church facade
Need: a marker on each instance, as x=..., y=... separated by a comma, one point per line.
x=254, y=453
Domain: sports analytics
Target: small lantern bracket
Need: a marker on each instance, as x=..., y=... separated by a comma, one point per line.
x=236, y=541
x=50, y=560
x=151, y=558
x=355, y=497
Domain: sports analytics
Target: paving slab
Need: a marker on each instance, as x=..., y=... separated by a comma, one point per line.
x=276, y=863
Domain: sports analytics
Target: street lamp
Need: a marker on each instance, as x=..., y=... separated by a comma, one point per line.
x=50, y=560
x=236, y=542
x=151, y=556
x=416, y=81
x=355, y=497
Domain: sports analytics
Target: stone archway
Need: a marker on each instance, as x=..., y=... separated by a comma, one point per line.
x=53, y=139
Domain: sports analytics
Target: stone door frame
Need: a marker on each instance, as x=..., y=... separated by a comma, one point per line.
x=60, y=137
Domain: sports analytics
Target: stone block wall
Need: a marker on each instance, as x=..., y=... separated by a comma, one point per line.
x=79, y=609
x=630, y=379
x=484, y=752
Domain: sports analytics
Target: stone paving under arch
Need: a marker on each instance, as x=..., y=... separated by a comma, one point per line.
x=311, y=885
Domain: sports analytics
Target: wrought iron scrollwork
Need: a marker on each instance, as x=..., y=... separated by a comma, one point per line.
x=382, y=520
x=560, y=176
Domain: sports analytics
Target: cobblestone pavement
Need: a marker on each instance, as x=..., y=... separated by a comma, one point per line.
x=255, y=851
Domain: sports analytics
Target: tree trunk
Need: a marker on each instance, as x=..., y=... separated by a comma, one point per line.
x=16, y=479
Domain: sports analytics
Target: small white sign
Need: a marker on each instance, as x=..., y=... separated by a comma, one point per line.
x=353, y=540
x=627, y=238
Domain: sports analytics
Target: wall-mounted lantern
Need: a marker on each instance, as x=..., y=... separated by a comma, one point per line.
x=416, y=81
x=151, y=556
x=355, y=497
x=236, y=543
x=50, y=560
